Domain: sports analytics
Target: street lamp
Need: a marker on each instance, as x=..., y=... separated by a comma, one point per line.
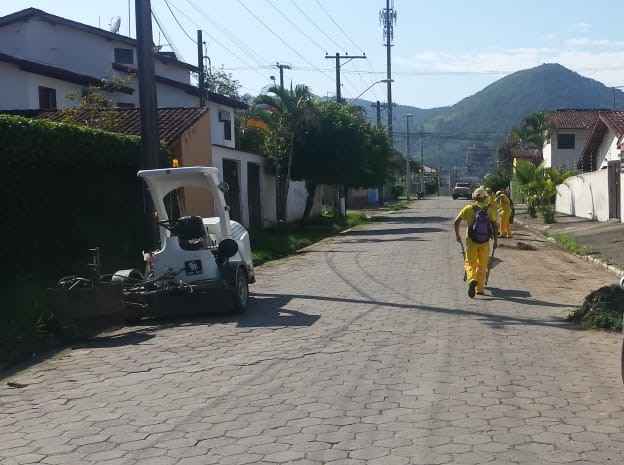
x=407, y=156
x=382, y=81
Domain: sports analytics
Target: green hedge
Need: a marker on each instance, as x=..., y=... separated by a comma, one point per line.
x=64, y=189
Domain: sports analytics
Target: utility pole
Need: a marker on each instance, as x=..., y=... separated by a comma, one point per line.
x=150, y=144
x=281, y=71
x=342, y=190
x=388, y=17
x=202, y=72
x=407, y=156
x=147, y=87
x=338, y=57
x=422, y=165
x=378, y=108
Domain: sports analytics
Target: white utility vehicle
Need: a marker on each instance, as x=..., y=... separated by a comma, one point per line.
x=197, y=255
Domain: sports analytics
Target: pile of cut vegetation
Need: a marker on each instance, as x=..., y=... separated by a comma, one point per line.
x=603, y=308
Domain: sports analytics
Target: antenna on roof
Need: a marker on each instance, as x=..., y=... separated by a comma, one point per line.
x=115, y=24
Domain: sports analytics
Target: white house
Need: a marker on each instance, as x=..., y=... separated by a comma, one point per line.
x=597, y=194
x=569, y=132
x=47, y=61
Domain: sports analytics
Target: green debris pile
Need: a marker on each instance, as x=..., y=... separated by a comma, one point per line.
x=603, y=308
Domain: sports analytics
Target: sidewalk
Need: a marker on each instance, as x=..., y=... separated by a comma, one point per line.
x=604, y=241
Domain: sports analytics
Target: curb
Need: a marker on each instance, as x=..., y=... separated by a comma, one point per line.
x=588, y=258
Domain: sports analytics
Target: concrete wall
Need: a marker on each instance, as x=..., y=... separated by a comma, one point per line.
x=608, y=150
x=585, y=196
x=296, y=197
x=565, y=158
x=195, y=149
x=19, y=90
x=217, y=126
x=72, y=49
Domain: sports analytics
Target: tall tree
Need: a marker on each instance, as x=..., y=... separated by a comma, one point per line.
x=287, y=112
x=341, y=149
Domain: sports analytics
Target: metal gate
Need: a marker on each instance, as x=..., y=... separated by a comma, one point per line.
x=232, y=194
x=615, y=169
x=254, y=195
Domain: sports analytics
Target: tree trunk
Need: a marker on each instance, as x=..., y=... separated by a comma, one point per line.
x=311, y=188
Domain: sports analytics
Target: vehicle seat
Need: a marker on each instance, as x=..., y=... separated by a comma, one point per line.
x=190, y=232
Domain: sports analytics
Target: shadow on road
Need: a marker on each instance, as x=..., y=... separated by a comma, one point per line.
x=116, y=340
x=390, y=231
x=521, y=297
x=490, y=319
x=411, y=219
x=373, y=241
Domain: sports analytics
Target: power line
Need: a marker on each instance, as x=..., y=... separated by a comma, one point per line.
x=175, y=18
x=167, y=38
x=295, y=25
x=338, y=25
x=247, y=66
x=295, y=51
x=242, y=46
x=316, y=26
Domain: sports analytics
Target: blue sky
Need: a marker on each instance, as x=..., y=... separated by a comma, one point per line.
x=444, y=50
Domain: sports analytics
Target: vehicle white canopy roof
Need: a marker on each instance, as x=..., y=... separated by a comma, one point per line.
x=161, y=182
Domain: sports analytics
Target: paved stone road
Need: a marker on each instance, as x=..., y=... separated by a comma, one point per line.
x=364, y=349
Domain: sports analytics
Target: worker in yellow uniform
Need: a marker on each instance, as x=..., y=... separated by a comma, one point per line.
x=492, y=206
x=481, y=222
x=504, y=211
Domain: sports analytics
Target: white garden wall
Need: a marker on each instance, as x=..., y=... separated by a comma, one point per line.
x=585, y=196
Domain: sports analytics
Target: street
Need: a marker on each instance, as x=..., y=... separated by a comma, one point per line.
x=364, y=348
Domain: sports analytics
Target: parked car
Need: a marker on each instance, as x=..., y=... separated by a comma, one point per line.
x=462, y=190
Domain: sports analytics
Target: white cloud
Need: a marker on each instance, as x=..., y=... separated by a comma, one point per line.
x=600, y=59
x=581, y=26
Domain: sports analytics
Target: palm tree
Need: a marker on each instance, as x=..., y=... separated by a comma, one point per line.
x=534, y=131
x=286, y=112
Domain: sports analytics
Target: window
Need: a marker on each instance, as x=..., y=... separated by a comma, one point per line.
x=124, y=56
x=227, y=130
x=47, y=98
x=566, y=141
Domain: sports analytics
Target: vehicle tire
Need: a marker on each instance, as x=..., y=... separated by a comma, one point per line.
x=240, y=293
x=454, y=197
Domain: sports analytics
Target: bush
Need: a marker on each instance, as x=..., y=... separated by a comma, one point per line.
x=397, y=191
x=602, y=309
x=65, y=189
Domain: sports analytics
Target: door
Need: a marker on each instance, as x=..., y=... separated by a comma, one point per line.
x=614, y=189
x=254, y=195
x=232, y=195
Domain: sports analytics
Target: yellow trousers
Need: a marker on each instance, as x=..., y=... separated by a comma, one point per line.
x=476, y=262
x=505, y=223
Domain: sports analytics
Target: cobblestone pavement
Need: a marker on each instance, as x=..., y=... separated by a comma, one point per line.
x=362, y=350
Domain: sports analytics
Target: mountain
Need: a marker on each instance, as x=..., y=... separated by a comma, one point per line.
x=488, y=115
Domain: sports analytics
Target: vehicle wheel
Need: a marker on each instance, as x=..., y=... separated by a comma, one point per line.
x=454, y=197
x=240, y=293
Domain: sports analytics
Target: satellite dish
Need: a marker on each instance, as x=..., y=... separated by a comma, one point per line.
x=115, y=24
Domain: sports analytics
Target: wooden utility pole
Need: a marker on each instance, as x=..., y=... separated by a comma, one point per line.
x=202, y=72
x=147, y=88
x=338, y=57
x=281, y=71
x=150, y=143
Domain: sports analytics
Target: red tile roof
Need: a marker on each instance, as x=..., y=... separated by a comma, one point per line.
x=573, y=119
x=614, y=120
x=172, y=122
x=607, y=120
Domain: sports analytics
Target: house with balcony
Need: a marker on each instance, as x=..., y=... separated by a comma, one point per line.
x=47, y=62
x=596, y=193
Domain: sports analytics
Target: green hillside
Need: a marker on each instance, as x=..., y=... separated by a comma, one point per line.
x=489, y=114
